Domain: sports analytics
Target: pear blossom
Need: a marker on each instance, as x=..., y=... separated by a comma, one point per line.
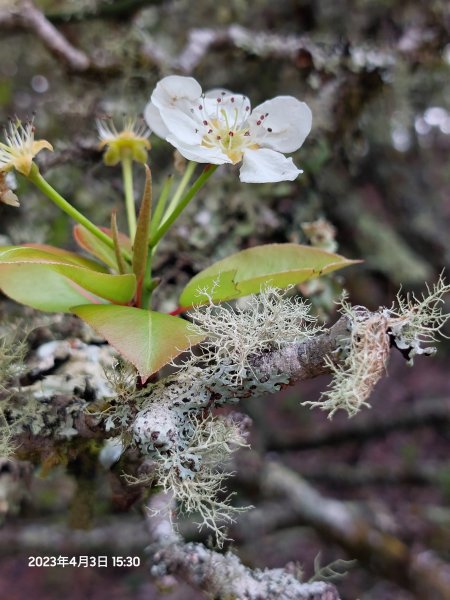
x=219, y=127
x=20, y=148
x=131, y=141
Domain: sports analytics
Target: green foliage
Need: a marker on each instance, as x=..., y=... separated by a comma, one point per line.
x=149, y=340
x=244, y=273
x=88, y=242
x=53, y=281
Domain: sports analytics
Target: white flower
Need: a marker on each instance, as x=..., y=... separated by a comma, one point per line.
x=218, y=127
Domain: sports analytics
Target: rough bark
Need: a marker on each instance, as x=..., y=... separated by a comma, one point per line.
x=223, y=576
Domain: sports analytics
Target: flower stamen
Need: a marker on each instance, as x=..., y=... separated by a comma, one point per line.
x=20, y=147
x=131, y=141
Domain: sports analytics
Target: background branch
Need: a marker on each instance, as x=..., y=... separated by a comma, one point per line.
x=420, y=571
x=29, y=18
x=424, y=413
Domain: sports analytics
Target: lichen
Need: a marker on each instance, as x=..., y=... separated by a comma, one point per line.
x=196, y=474
x=415, y=321
x=364, y=355
x=410, y=323
x=13, y=348
x=174, y=425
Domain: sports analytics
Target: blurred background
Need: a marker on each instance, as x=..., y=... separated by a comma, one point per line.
x=375, y=187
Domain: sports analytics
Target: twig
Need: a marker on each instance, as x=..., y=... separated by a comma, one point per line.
x=419, y=414
x=26, y=16
x=118, y=537
x=300, y=361
x=222, y=576
x=202, y=40
x=116, y=10
x=421, y=572
x=82, y=150
x=347, y=476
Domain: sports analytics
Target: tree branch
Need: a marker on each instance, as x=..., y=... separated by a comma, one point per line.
x=425, y=413
x=421, y=572
x=26, y=16
x=222, y=576
x=117, y=10
x=124, y=536
x=298, y=362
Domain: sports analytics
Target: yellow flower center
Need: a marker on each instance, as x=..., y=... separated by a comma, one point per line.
x=232, y=139
x=131, y=142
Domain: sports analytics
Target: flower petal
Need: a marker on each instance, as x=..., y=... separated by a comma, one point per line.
x=281, y=124
x=199, y=153
x=267, y=166
x=10, y=198
x=173, y=89
x=173, y=109
x=39, y=145
x=154, y=121
x=181, y=126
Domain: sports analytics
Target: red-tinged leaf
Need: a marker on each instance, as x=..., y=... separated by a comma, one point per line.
x=90, y=243
x=140, y=246
x=42, y=253
x=148, y=339
x=244, y=273
x=54, y=283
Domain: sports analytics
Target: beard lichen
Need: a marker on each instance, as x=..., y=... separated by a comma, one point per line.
x=410, y=323
x=174, y=425
x=13, y=349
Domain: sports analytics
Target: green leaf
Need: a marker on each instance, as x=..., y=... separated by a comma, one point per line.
x=243, y=273
x=120, y=261
x=148, y=339
x=43, y=253
x=89, y=242
x=54, y=282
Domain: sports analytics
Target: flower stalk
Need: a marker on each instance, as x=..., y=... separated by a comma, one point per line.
x=181, y=187
x=42, y=184
x=127, y=174
x=162, y=201
x=172, y=217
